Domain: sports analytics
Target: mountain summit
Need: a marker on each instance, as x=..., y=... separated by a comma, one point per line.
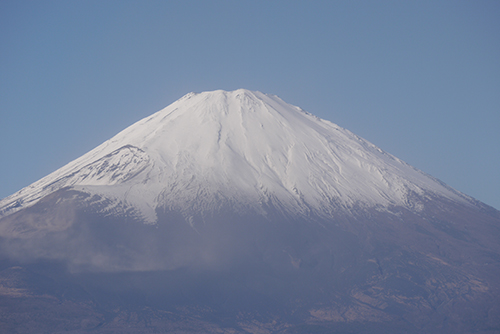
x=241, y=149
x=235, y=212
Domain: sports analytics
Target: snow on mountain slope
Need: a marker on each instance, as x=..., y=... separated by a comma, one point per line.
x=241, y=148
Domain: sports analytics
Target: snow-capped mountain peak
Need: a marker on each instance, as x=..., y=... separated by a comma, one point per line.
x=245, y=149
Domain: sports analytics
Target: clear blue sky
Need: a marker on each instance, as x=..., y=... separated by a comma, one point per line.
x=420, y=79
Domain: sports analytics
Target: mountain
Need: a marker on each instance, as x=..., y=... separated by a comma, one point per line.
x=237, y=212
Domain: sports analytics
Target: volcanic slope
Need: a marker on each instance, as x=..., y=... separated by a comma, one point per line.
x=245, y=148
x=236, y=212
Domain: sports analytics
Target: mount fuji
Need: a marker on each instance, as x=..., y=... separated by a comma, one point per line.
x=235, y=212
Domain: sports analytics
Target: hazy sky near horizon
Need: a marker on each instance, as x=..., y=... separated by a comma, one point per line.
x=419, y=79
